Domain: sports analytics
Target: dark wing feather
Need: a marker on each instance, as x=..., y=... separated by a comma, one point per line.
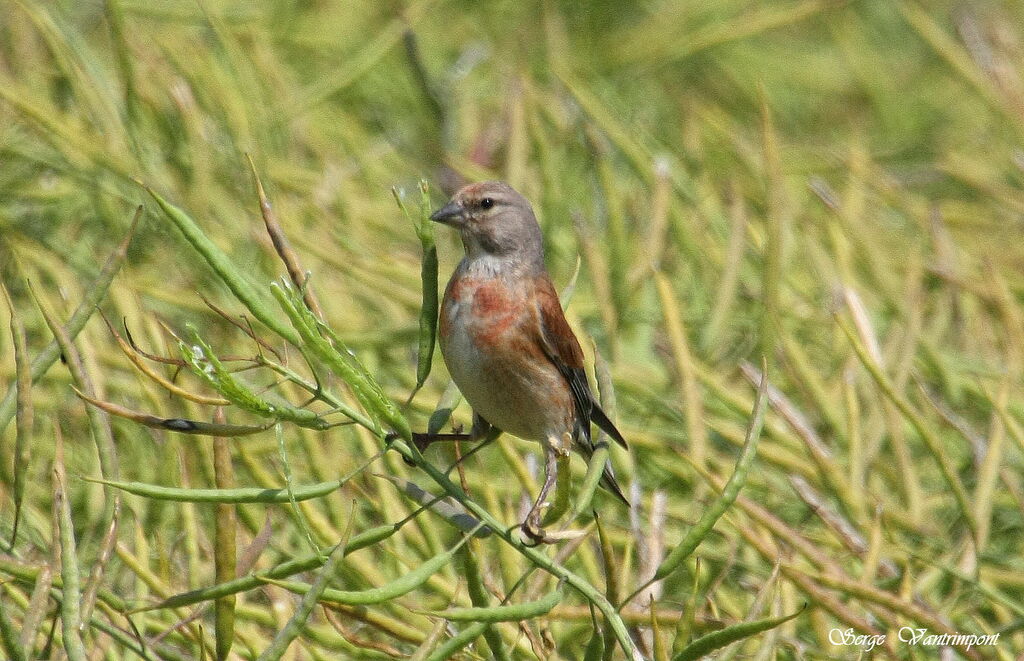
x=608, y=480
x=602, y=421
x=563, y=349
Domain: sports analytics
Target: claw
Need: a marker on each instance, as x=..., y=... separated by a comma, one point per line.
x=533, y=531
x=393, y=436
x=421, y=441
x=535, y=535
x=424, y=440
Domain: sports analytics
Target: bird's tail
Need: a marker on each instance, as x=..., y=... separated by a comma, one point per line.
x=608, y=481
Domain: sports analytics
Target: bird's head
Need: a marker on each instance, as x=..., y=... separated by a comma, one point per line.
x=494, y=220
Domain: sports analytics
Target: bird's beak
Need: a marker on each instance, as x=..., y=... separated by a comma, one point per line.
x=449, y=213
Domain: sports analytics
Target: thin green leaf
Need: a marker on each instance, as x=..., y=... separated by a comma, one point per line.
x=718, y=639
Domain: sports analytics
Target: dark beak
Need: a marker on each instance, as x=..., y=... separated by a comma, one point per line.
x=448, y=213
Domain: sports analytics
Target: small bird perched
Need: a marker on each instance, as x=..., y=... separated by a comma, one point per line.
x=506, y=342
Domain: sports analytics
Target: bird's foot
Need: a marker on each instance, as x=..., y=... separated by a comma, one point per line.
x=534, y=536
x=533, y=532
x=422, y=441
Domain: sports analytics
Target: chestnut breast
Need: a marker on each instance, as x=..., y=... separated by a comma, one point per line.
x=488, y=341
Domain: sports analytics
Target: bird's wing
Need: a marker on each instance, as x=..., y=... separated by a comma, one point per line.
x=602, y=421
x=563, y=349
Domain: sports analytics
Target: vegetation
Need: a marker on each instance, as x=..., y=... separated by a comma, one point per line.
x=223, y=469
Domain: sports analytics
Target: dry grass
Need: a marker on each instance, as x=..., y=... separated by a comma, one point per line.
x=836, y=186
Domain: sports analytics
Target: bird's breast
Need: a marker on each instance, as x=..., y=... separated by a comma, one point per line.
x=481, y=311
x=486, y=340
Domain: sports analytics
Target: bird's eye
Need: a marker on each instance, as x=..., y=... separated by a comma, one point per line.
x=486, y=203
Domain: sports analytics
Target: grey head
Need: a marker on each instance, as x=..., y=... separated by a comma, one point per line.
x=496, y=222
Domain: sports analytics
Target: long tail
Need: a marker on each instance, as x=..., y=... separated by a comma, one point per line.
x=608, y=481
x=602, y=421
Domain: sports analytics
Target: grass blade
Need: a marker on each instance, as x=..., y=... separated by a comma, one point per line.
x=713, y=641
x=24, y=413
x=225, y=560
x=222, y=265
x=700, y=530
x=297, y=622
x=70, y=614
x=93, y=295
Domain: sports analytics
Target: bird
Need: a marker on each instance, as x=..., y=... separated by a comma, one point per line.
x=506, y=341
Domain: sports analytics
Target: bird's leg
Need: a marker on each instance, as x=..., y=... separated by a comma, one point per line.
x=478, y=431
x=422, y=440
x=531, y=526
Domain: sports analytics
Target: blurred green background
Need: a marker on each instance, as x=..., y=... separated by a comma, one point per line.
x=836, y=185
